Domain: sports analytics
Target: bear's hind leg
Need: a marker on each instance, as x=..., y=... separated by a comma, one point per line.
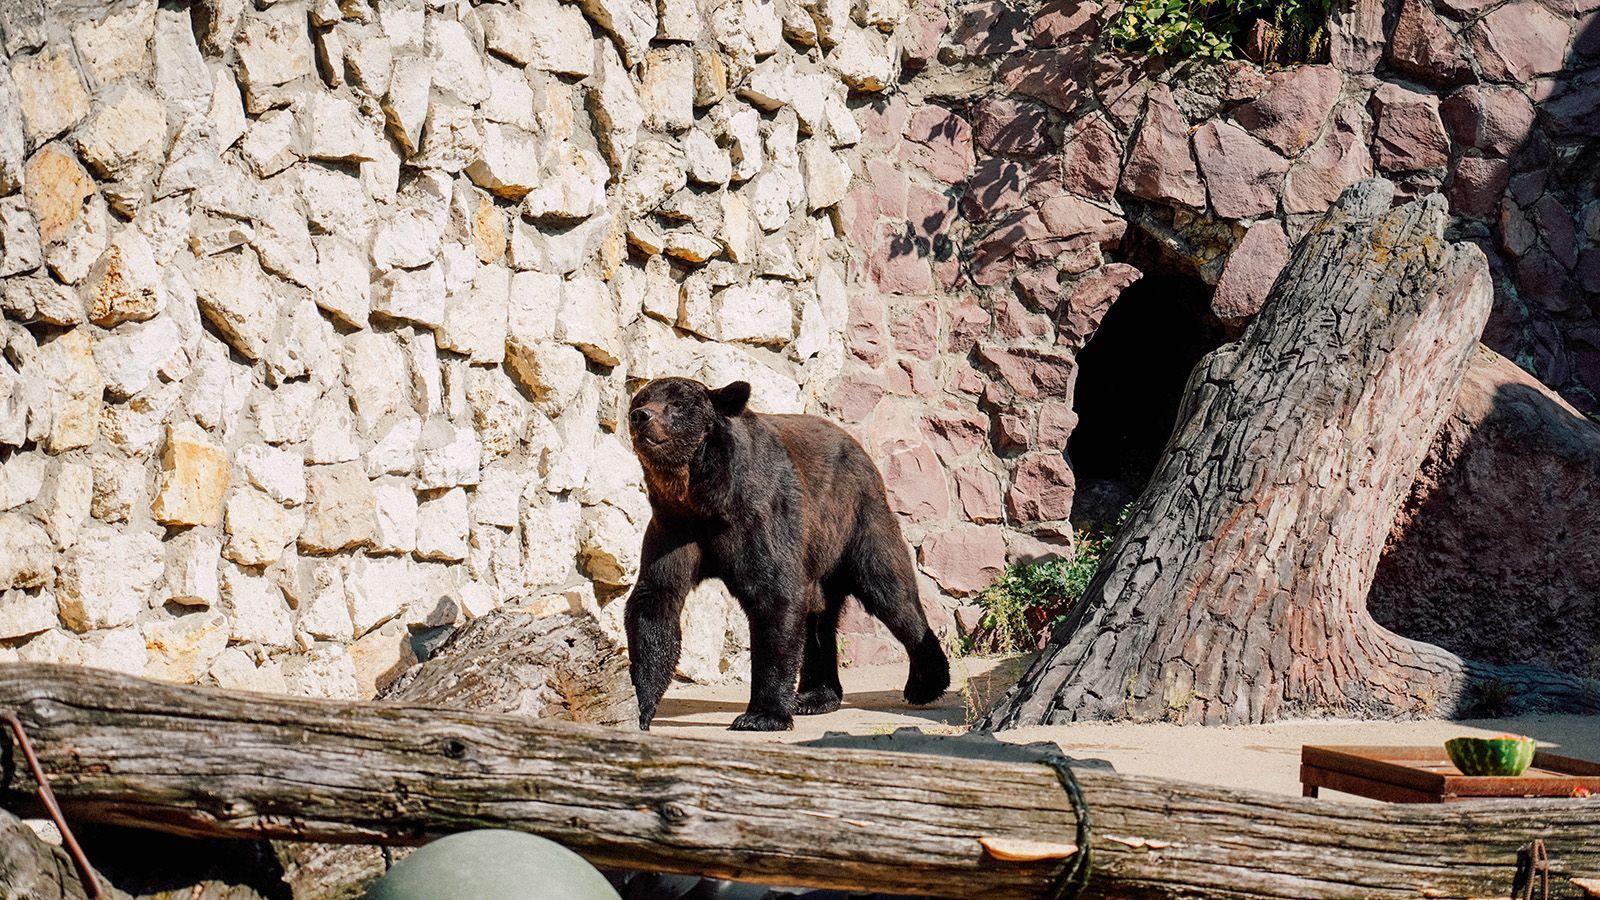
x=820, y=690
x=886, y=585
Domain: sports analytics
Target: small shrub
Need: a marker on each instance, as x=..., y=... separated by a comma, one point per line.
x=1491, y=699
x=1265, y=30
x=1028, y=601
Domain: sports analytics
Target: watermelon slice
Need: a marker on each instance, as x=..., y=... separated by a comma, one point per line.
x=1506, y=754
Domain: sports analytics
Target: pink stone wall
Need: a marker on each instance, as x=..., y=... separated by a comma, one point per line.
x=1005, y=175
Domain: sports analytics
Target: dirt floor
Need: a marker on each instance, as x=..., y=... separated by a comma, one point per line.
x=1262, y=757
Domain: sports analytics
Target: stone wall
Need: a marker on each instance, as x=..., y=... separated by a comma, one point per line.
x=1020, y=161
x=320, y=317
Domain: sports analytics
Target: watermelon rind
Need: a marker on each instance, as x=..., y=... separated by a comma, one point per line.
x=1490, y=756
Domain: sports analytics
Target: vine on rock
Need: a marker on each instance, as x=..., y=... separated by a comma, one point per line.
x=1285, y=31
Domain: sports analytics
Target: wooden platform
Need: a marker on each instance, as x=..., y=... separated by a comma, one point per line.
x=1426, y=775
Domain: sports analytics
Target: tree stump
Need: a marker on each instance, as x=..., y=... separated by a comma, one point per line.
x=518, y=659
x=1236, y=592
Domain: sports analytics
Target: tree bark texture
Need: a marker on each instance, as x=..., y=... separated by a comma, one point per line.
x=1236, y=592
x=202, y=761
x=519, y=659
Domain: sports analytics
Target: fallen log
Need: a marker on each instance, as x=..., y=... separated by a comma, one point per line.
x=202, y=761
x=518, y=659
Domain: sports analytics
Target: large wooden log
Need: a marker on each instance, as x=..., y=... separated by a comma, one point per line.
x=203, y=761
x=518, y=659
x=1236, y=592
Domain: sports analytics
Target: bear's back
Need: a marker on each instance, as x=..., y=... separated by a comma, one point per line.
x=828, y=460
x=842, y=488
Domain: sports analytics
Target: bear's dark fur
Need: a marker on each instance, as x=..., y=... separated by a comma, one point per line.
x=790, y=513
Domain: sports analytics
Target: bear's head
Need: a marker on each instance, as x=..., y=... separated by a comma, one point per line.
x=671, y=417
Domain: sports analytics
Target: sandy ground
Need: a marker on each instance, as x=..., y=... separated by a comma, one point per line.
x=1261, y=757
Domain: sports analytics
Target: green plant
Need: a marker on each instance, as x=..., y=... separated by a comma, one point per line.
x=1283, y=30
x=1491, y=699
x=1029, y=600
x=963, y=645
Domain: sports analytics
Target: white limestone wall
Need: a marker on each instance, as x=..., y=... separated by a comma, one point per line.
x=320, y=317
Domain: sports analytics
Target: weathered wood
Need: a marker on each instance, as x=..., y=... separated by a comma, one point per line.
x=516, y=659
x=203, y=761
x=528, y=661
x=1426, y=775
x=1236, y=592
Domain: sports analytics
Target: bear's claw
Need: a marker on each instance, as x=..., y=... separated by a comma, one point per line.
x=816, y=701
x=762, y=721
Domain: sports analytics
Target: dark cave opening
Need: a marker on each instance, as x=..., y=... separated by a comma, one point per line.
x=1131, y=376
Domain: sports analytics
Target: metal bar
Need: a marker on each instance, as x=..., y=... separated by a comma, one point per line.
x=91, y=882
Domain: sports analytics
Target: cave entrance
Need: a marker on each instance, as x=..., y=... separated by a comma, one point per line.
x=1130, y=382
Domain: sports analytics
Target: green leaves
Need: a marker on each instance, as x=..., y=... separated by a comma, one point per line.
x=1290, y=30
x=1028, y=601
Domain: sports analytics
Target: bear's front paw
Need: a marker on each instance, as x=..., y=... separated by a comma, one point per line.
x=762, y=721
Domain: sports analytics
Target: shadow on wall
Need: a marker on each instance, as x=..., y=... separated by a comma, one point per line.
x=1494, y=555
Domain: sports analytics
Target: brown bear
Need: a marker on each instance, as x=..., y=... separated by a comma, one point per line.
x=790, y=513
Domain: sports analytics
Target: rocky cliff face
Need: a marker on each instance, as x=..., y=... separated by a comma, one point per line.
x=320, y=317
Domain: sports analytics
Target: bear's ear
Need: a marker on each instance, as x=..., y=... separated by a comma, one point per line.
x=730, y=399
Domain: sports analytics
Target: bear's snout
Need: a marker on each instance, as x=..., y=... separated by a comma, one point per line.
x=649, y=425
